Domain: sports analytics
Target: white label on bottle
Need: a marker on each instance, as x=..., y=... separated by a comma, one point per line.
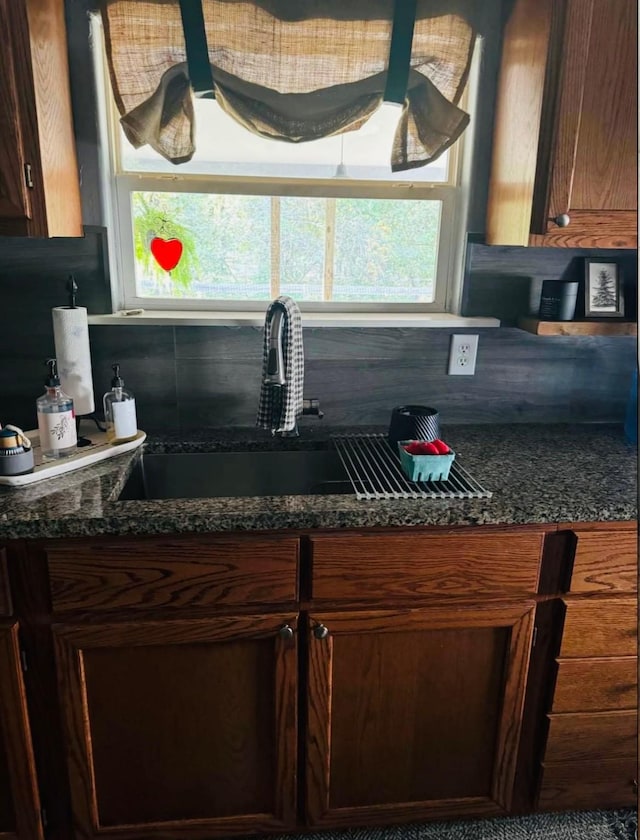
x=124, y=418
x=57, y=430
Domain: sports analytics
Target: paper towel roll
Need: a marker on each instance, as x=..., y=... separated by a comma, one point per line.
x=71, y=337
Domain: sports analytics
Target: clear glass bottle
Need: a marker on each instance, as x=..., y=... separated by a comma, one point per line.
x=56, y=419
x=119, y=411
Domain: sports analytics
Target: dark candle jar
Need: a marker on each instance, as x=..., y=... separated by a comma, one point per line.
x=558, y=300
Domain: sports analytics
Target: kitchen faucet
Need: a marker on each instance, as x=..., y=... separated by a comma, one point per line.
x=275, y=353
x=275, y=376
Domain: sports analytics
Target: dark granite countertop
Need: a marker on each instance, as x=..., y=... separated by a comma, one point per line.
x=537, y=473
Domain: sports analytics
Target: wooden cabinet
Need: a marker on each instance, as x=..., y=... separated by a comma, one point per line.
x=19, y=800
x=591, y=750
x=596, y=684
x=39, y=179
x=180, y=663
x=605, y=561
x=564, y=169
x=181, y=729
x=378, y=567
x=417, y=711
x=177, y=667
x=414, y=713
x=171, y=574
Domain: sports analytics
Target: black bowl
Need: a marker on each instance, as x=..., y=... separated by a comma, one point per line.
x=413, y=422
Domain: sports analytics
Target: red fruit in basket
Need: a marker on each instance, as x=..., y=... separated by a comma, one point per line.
x=441, y=447
x=428, y=448
x=413, y=448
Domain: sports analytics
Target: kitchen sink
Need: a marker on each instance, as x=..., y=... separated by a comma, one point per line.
x=236, y=474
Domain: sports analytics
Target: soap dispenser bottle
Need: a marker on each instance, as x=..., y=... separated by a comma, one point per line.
x=119, y=411
x=56, y=422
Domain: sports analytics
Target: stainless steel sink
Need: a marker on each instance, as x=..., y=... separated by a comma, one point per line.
x=211, y=474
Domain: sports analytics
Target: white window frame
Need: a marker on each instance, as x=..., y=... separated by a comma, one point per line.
x=117, y=187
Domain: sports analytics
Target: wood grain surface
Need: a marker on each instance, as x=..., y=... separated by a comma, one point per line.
x=15, y=743
x=371, y=566
x=517, y=121
x=600, y=627
x=204, y=711
x=59, y=165
x=605, y=562
x=5, y=593
x=172, y=573
x=609, y=782
x=594, y=171
x=592, y=736
x=362, y=373
x=565, y=136
x=563, y=122
x=605, y=174
x=537, y=327
x=415, y=712
x=35, y=83
x=597, y=684
x=592, y=229
x=14, y=198
x=538, y=700
x=30, y=591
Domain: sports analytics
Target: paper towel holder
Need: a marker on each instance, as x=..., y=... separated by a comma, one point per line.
x=72, y=289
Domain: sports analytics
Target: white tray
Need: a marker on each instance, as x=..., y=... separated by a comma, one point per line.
x=99, y=450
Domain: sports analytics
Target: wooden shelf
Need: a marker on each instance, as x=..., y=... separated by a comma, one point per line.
x=537, y=327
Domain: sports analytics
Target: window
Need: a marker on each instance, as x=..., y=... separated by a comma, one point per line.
x=326, y=222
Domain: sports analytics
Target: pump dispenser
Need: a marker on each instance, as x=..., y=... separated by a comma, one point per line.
x=56, y=422
x=119, y=411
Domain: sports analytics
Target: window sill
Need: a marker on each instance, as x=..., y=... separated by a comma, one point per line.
x=309, y=319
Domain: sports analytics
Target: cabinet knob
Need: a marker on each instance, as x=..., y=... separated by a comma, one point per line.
x=320, y=631
x=286, y=633
x=562, y=220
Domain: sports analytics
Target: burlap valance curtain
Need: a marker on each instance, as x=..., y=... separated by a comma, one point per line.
x=292, y=70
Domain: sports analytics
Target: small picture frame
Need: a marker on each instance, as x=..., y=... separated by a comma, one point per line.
x=603, y=289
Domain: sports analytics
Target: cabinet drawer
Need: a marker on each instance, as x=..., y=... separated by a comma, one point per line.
x=605, y=561
x=369, y=567
x=604, y=783
x=603, y=627
x=596, y=685
x=5, y=595
x=172, y=573
x=589, y=737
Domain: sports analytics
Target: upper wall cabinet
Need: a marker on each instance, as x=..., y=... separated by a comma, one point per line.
x=564, y=169
x=39, y=184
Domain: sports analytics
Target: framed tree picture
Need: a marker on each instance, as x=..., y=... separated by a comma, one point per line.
x=603, y=289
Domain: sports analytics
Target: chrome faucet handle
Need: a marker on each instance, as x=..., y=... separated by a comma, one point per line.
x=275, y=355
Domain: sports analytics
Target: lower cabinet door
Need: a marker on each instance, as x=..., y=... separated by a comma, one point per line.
x=180, y=729
x=414, y=714
x=19, y=800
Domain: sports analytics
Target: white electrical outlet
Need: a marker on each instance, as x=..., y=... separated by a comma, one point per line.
x=462, y=355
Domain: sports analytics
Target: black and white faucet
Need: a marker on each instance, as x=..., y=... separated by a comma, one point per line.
x=281, y=398
x=275, y=377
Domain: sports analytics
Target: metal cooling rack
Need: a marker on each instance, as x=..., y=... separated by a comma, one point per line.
x=375, y=473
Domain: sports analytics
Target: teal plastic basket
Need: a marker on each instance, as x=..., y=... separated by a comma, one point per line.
x=425, y=467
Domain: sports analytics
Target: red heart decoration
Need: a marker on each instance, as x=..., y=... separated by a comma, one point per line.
x=166, y=251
